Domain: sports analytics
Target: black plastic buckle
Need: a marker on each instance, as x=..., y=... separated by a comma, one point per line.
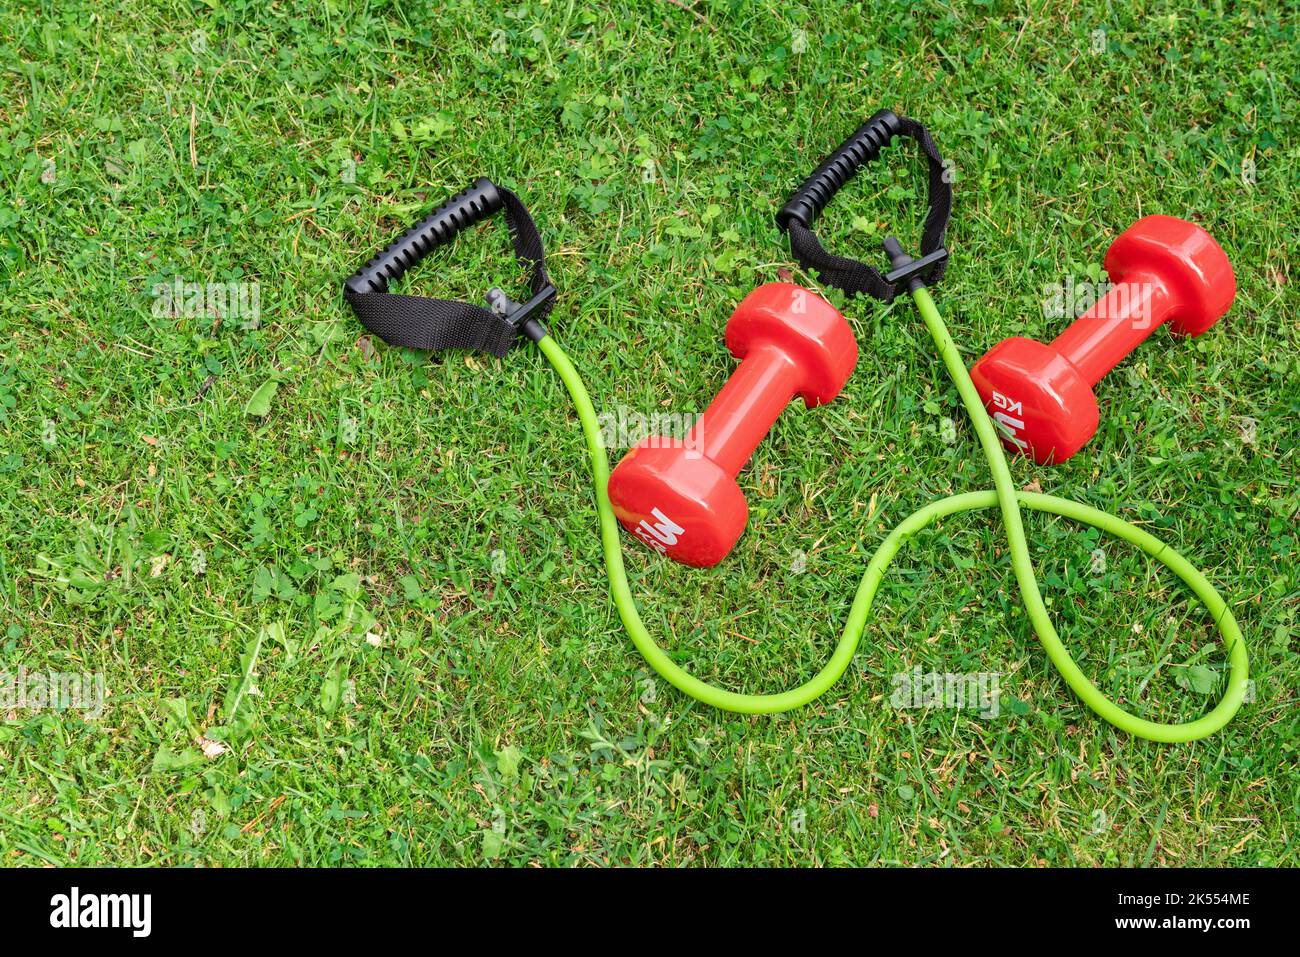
x=520, y=315
x=914, y=272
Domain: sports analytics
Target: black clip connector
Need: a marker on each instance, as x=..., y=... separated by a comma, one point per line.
x=520, y=315
x=914, y=272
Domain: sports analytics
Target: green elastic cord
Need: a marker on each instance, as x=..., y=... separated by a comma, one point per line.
x=1004, y=496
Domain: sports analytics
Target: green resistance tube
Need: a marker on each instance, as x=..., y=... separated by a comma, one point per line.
x=1004, y=496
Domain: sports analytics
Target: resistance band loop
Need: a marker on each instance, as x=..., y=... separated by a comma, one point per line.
x=1003, y=496
x=417, y=322
x=807, y=202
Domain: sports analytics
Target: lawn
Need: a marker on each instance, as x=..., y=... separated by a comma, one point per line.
x=346, y=602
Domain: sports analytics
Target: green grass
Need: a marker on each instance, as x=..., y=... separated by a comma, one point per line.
x=152, y=531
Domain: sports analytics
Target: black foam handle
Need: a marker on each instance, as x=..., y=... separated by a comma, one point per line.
x=471, y=205
x=807, y=202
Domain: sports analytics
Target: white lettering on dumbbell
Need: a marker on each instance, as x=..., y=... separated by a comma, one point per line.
x=649, y=539
x=1006, y=423
x=659, y=535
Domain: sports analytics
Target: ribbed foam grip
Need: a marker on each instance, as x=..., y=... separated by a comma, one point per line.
x=807, y=202
x=471, y=205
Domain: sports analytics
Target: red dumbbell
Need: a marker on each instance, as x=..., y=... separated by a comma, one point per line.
x=1040, y=397
x=680, y=497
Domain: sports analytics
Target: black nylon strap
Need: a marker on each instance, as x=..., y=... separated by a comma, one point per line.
x=416, y=322
x=854, y=276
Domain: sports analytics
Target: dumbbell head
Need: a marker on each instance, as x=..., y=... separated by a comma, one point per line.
x=1186, y=259
x=681, y=504
x=1038, y=401
x=1040, y=396
x=681, y=497
x=804, y=326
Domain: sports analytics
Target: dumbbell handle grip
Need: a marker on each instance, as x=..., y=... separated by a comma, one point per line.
x=1115, y=325
x=745, y=409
